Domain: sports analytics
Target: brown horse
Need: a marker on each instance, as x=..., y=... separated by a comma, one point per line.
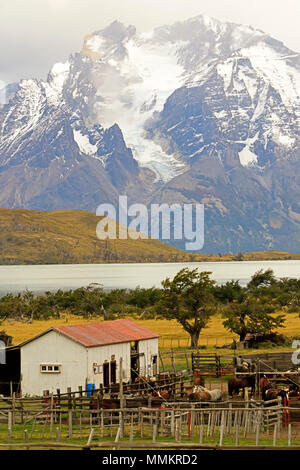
x=141, y=379
x=199, y=380
x=164, y=394
x=273, y=393
x=199, y=396
x=264, y=384
x=269, y=392
x=235, y=384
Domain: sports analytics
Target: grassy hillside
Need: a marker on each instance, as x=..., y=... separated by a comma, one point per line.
x=69, y=236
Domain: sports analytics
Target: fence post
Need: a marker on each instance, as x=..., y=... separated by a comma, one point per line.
x=69, y=398
x=9, y=428
x=131, y=429
x=257, y=428
x=192, y=421
x=229, y=423
x=58, y=397
x=90, y=437
x=102, y=423
x=237, y=433
x=117, y=437
x=222, y=429
x=275, y=434
x=70, y=423
x=51, y=412
x=26, y=438
x=121, y=381
x=121, y=423
x=173, y=423
x=180, y=427
x=201, y=428
x=13, y=407
x=208, y=425
x=246, y=411
x=154, y=432
x=289, y=434
x=172, y=361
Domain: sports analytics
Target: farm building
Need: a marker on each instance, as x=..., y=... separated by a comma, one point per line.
x=81, y=355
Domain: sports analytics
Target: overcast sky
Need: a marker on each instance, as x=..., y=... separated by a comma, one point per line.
x=34, y=34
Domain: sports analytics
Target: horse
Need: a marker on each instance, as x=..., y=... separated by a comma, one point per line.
x=164, y=394
x=264, y=384
x=199, y=380
x=203, y=394
x=273, y=393
x=269, y=392
x=199, y=396
x=216, y=394
x=294, y=391
x=235, y=384
x=141, y=379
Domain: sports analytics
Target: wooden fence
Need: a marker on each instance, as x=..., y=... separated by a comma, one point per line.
x=187, y=427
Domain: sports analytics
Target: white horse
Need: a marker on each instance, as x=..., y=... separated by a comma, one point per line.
x=215, y=395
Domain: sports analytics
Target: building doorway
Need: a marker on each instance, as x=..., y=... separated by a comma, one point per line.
x=154, y=365
x=134, y=360
x=113, y=372
x=134, y=367
x=106, y=374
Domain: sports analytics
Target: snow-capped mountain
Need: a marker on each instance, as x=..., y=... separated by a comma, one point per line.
x=199, y=111
x=6, y=92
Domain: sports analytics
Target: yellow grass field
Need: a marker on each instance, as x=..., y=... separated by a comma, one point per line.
x=171, y=333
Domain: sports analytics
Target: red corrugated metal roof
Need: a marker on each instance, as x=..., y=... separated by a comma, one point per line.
x=107, y=332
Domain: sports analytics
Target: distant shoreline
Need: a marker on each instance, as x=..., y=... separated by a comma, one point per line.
x=226, y=258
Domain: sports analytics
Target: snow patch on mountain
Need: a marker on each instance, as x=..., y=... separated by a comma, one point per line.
x=225, y=70
x=247, y=157
x=2, y=93
x=84, y=143
x=95, y=43
x=282, y=139
x=275, y=69
x=150, y=73
x=60, y=72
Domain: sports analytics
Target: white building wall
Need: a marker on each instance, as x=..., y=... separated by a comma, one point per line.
x=77, y=362
x=57, y=349
x=98, y=355
x=150, y=348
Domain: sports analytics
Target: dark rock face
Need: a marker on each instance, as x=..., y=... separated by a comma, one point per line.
x=197, y=112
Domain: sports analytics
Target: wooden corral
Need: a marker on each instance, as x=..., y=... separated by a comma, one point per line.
x=281, y=361
x=206, y=363
x=179, y=422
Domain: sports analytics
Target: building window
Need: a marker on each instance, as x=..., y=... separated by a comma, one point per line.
x=50, y=368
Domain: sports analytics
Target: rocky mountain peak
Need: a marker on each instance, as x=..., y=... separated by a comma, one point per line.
x=200, y=111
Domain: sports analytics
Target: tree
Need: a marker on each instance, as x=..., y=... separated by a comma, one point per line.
x=254, y=311
x=188, y=299
x=251, y=316
x=262, y=279
x=230, y=291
